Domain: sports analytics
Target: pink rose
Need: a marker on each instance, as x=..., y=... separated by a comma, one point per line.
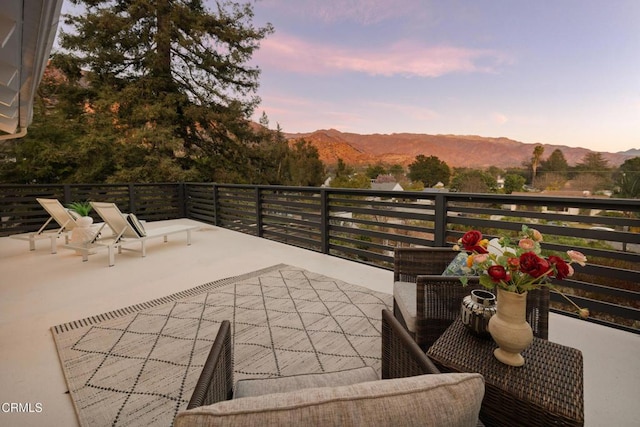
x=577, y=257
x=480, y=258
x=527, y=244
x=537, y=236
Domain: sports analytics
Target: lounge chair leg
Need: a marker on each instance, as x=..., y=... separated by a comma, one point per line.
x=32, y=243
x=112, y=259
x=188, y=237
x=144, y=248
x=54, y=248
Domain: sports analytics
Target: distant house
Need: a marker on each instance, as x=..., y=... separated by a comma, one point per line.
x=561, y=194
x=386, y=186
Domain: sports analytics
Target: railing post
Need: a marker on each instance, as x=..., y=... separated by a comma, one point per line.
x=182, y=200
x=67, y=194
x=258, y=200
x=132, y=194
x=324, y=221
x=216, y=220
x=440, y=226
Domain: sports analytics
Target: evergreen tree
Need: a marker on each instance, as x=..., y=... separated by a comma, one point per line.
x=593, y=173
x=172, y=79
x=305, y=166
x=556, y=163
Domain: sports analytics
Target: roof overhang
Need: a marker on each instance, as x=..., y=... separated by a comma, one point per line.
x=27, y=32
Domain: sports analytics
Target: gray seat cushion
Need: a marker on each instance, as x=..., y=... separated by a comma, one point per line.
x=260, y=386
x=426, y=400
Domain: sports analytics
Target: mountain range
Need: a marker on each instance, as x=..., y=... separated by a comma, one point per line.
x=455, y=150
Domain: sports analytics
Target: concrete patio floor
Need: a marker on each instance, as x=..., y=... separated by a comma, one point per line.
x=39, y=290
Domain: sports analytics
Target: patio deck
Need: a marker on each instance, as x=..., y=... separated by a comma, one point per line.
x=39, y=290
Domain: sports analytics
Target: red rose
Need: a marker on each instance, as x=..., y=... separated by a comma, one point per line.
x=497, y=273
x=470, y=241
x=561, y=267
x=533, y=265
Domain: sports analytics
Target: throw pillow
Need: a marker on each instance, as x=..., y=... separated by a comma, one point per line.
x=137, y=226
x=458, y=267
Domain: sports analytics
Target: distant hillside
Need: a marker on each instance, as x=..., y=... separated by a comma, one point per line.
x=634, y=152
x=455, y=150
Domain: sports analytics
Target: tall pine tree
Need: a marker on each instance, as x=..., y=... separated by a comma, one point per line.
x=172, y=79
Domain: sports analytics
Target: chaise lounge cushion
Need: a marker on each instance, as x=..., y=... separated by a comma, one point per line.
x=437, y=399
x=259, y=386
x=405, y=296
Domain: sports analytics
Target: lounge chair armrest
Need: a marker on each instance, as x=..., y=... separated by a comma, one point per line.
x=401, y=356
x=216, y=380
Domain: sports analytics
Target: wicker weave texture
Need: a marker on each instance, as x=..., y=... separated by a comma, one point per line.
x=547, y=390
x=401, y=356
x=216, y=380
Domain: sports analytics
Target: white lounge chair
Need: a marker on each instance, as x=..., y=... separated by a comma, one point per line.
x=59, y=214
x=127, y=230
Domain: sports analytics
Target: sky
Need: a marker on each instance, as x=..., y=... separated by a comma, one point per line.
x=564, y=72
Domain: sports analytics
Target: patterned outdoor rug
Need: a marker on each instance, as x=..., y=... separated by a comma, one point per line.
x=139, y=365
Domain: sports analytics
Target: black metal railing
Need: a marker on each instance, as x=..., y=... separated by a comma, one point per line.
x=366, y=226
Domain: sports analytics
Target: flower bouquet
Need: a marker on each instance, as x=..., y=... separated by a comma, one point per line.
x=517, y=265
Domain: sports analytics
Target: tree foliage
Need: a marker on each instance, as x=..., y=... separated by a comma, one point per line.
x=171, y=88
x=513, y=182
x=593, y=172
x=374, y=170
x=473, y=181
x=429, y=170
x=627, y=179
x=555, y=163
x=346, y=177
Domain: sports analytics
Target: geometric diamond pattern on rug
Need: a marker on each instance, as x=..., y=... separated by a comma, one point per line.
x=139, y=365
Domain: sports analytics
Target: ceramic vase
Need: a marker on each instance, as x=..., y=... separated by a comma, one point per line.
x=82, y=232
x=476, y=310
x=509, y=327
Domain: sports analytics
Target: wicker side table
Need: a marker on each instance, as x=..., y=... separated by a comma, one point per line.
x=547, y=390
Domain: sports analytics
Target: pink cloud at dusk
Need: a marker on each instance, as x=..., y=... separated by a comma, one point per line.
x=365, y=12
x=402, y=58
x=499, y=118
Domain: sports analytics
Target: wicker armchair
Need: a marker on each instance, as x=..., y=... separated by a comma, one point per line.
x=401, y=357
x=438, y=298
